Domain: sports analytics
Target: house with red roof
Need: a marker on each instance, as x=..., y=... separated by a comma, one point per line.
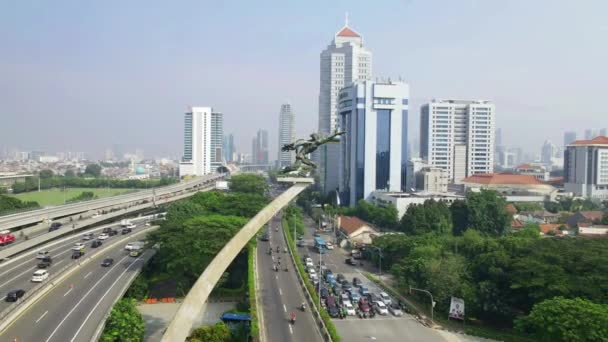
x=356, y=230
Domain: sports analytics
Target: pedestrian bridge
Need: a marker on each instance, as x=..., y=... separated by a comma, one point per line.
x=193, y=305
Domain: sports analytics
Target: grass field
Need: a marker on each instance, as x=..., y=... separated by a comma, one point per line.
x=57, y=196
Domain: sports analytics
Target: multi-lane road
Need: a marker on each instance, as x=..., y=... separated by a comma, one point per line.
x=74, y=307
x=280, y=293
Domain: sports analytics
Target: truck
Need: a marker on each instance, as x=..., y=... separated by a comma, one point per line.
x=6, y=237
x=125, y=222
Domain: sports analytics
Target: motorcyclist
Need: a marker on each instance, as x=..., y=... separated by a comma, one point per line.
x=293, y=317
x=278, y=249
x=303, y=306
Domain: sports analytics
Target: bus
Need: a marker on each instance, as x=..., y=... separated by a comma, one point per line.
x=320, y=245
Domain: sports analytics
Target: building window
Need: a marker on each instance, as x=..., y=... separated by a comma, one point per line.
x=383, y=138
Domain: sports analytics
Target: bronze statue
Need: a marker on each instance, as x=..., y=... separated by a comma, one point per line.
x=303, y=148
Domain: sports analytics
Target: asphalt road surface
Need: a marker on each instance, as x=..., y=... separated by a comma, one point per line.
x=73, y=309
x=280, y=293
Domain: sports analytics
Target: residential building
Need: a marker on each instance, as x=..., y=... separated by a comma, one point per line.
x=458, y=136
x=197, y=142
x=589, y=216
x=586, y=168
x=229, y=150
x=538, y=171
x=287, y=134
x=432, y=179
x=538, y=217
x=259, y=150
x=593, y=230
x=373, y=152
x=515, y=188
x=217, y=140
x=344, y=61
x=355, y=230
x=402, y=200
x=414, y=165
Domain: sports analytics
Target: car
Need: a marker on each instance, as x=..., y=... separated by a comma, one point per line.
x=311, y=272
x=77, y=254
x=372, y=297
x=364, y=291
x=113, y=232
x=103, y=236
x=96, y=215
x=87, y=236
x=42, y=254
x=110, y=231
x=301, y=243
x=324, y=292
x=131, y=226
x=346, y=286
x=14, y=295
x=330, y=245
x=357, y=282
x=40, y=276
x=364, y=306
x=384, y=297
x=337, y=290
x=340, y=278
x=381, y=308
x=78, y=246
x=126, y=231
x=148, y=224
x=314, y=278
x=45, y=262
x=344, y=297
x=332, y=307
x=107, y=262
x=265, y=237
x=54, y=226
x=135, y=253
x=355, y=296
x=96, y=244
x=395, y=310
x=300, y=237
x=351, y=261
x=349, y=308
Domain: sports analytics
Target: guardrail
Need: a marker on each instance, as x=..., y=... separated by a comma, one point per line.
x=8, y=315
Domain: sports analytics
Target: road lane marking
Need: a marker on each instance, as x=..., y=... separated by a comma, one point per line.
x=59, y=262
x=70, y=290
x=290, y=329
x=18, y=275
x=280, y=292
x=276, y=277
x=102, y=297
x=284, y=308
x=83, y=298
x=41, y=317
x=88, y=274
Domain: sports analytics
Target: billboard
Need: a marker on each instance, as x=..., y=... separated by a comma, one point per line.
x=456, y=308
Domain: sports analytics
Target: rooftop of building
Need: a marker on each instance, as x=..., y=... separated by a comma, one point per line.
x=467, y=102
x=350, y=224
x=526, y=166
x=600, y=140
x=347, y=32
x=503, y=179
x=419, y=194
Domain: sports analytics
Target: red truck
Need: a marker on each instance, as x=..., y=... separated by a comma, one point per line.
x=6, y=237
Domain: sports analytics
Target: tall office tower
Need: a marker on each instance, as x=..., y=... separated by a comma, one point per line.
x=287, y=134
x=344, y=61
x=217, y=140
x=197, y=142
x=586, y=168
x=458, y=136
x=569, y=137
x=259, y=148
x=373, y=152
x=548, y=152
x=229, y=151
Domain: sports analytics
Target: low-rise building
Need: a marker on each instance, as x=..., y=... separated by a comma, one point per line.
x=589, y=216
x=355, y=230
x=538, y=171
x=515, y=188
x=432, y=179
x=538, y=216
x=593, y=230
x=402, y=200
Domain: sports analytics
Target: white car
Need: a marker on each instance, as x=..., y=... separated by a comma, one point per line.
x=350, y=309
x=344, y=297
x=131, y=226
x=103, y=236
x=311, y=272
x=385, y=298
x=330, y=245
x=309, y=263
x=87, y=236
x=78, y=246
x=314, y=278
x=40, y=276
x=381, y=308
x=42, y=254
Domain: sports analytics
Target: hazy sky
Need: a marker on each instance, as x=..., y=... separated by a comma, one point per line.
x=85, y=75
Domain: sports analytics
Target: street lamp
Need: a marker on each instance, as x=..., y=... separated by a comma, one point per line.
x=427, y=292
x=379, y=259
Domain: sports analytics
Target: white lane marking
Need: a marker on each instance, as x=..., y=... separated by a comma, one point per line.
x=70, y=290
x=88, y=274
x=276, y=277
x=290, y=329
x=102, y=297
x=83, y=298
x=280, y=292
x=1, y=299
x=59, y=262
x=41, y=317
x=18, y=275
x=284, y=308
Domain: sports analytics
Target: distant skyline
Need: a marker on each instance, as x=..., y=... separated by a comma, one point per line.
x=86, y=76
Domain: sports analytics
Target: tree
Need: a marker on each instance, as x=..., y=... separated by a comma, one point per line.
x=487, y=213
x=431, y=216
x=249, y=183
x=69, y=173
x=382, y=216
x=460, y=217
x=93, y=170
x=10, y=204
x=213, y=333
x=124, y=324
x=44, y=174
x=561, y=319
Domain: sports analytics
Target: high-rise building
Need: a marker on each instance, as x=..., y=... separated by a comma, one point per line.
x=229, y=151
x=217, y=140
x=458, y=136
x=343, y=62
x=259, y=148
x=287, y=134
x=197, y=142
x=586, y=168
x=373, y=152
x=569, y=137
x=548, y=152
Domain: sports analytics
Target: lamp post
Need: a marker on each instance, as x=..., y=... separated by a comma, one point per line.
x=379, y=259
x=427, y=292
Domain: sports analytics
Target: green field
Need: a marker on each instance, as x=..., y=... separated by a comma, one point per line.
x=57, y=196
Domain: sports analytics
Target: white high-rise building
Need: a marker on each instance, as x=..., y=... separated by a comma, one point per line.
x=197, y=142
x=548, y=153
x=287, y=134
x=458, y=136
x=217, y=140
x=373, y=152
x=343, y=62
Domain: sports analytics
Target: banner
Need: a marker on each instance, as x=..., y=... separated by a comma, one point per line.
x=457, y=308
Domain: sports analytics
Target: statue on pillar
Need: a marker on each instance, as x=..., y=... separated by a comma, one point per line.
x=303, y=148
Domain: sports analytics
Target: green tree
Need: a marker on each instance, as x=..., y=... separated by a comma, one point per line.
x=213, y=333
x=431, y=216
x=10, y=204
x=249, y=183
x=124, y=324
x=69, y=173
x=561, y=319
x=487, y=213
x=44, y=174
x=460, y=217
x=93, y=170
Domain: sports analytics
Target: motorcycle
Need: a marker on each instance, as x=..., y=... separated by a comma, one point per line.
x=303, y=307
x=292, y=319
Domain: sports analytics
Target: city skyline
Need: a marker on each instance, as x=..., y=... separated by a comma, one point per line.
x=89, y=88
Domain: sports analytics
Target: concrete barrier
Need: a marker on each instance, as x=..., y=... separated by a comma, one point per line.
x=192, y=306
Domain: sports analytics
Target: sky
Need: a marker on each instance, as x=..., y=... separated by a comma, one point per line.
x=88, y=75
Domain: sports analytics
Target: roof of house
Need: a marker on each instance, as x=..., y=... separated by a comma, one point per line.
x=595, y=141
x=539, y=213
x=351, y=224
x=545, y=228
x=592, y=215
x=501, y=178
x=517, y=224
x=347, y=32
x=510, y=208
